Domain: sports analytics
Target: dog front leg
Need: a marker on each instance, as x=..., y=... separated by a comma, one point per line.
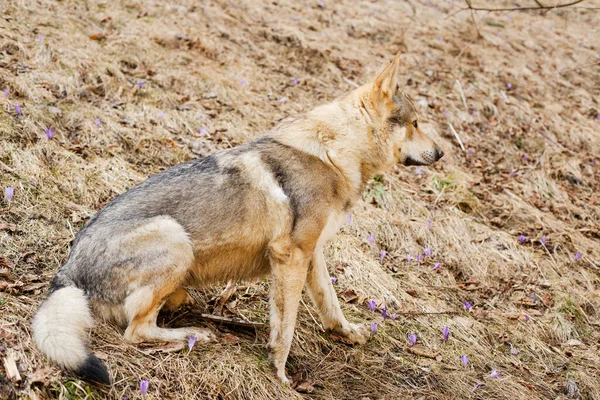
x=289, y=266
x=325, y=300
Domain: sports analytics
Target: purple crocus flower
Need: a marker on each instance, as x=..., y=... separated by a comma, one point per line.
x=191, y=342
x=465, y=360
x=49, y=133
x=446, y=333
x=203, y=131
x=427, y=251
x=242, y=81
x=418, y=258
x=161, y=114
x=9, y=192
x=446, y=113
x=477, y=386
x=513, y=350
x=371, y=238
x=543, y=240
x=372, y=305
x=412, y=338
x=144, y=387
x=140, y=84
x=374, y=327
x=436, y=266
x=382, y=254
x=394, y=316
x=577, y=256
x=522, y=239
x=349, y=220
x=527, y=317
x=471, y=151
x=18, y=110
x=321, y=4
x=294, y=81
x=512, y=173
x=384, y=313
x=97, y=122
x=333, y=279
x=509, y=86
x=428, y=224
x=495, y=374
x=408, y=258
x=7, y=92
x=419, y=171
x=468, y=305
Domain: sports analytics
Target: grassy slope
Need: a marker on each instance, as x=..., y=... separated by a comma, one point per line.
x=219, y=73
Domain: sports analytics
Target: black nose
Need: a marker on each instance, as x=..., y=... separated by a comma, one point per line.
x=440, y=154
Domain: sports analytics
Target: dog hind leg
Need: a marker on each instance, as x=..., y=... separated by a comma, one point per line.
x=289, y=265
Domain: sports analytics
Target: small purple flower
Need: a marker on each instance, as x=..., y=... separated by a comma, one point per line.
x=382, y=254
x=471, y=151
x=436, y=266
x=446, y=113
x=140, y=84
x=473, y=112
x=191, y=342
x=333, y=279
x=97, y=122
x=40, y=37
x=408, y=258
x=446, y=333
x=427, y=251
x=441, y=39
x=477, y=386
x=509, y=86
x=465, y=360
x=242, y=81
x=525, y=156
x=543, y=240
x=7, y=92
x=394, y=316
x=203, y=131
x=418, y=258
x=321, y=4
x=522, y=239
x=349, y=220
x=468, y=305
x=412, y=338
x=372, y=304
x=283, y=100
x=495, y=374
x=577, y=256
x=18, y=110
x=384, y=313
x=371, y=238
x=374, y=327
x=295, y=81
x=419, y=171
x=428, y=224
x=512, y=173
x=513, y=350
x=9, y=192
x=144, y=387
x=527, y=317
x=161, y=114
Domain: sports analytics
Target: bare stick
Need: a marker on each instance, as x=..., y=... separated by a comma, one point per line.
x=462, y=146
x=540, y=6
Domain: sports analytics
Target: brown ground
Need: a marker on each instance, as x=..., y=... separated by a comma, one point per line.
x=523, y=98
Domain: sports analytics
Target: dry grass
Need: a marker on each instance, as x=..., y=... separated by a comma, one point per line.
x=220, y=73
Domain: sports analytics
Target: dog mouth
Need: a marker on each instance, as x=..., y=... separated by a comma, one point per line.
x=409, y=161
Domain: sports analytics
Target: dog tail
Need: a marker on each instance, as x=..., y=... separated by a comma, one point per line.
x=59, y=330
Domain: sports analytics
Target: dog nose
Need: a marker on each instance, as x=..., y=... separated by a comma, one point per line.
x=440, y=154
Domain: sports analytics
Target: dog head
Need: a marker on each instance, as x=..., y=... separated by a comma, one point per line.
x=394, y=118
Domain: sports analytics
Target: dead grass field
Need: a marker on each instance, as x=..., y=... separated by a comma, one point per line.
x=131, y=87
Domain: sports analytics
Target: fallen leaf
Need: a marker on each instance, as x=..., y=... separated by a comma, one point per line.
x=97, y=36
x=412, y=292
x=8, y=227
x=40, y=375
x=305, y=387
x=349, y=295
x=229, y=338
x=10, y=366
x=421, y=351
x=171, y=347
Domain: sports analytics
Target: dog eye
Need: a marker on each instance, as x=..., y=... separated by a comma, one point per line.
x=415, y=124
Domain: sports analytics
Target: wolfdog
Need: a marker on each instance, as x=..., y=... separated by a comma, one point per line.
x=265, y=207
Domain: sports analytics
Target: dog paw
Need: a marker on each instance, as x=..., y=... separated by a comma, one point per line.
x=202, y=335
x=355, y=333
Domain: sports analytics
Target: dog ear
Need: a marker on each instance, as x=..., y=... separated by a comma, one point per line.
x=386, y=83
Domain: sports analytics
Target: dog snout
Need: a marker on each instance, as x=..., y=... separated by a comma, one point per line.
x=439, y=153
